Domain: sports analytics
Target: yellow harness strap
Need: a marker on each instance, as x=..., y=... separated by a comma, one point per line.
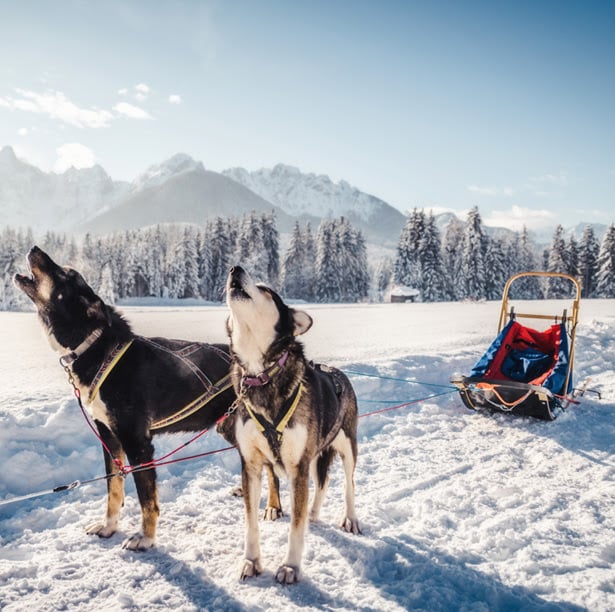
x=195, y=405
x=106, y=369
x=261, y=422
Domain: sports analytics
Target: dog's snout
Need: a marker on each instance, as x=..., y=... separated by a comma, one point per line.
x=236, y=271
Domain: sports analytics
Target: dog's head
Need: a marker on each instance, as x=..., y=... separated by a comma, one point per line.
x=67, y=306
x=260, y=322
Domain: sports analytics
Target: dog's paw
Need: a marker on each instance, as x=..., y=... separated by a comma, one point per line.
x=250, y=568
x=272, y=513
x=287, y=574
x=351, y=525
x=138, y=542
x=101, y=529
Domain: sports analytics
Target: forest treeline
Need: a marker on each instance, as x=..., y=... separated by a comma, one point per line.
x=329, y=264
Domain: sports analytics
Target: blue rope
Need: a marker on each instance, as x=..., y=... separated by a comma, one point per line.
x=406, y=380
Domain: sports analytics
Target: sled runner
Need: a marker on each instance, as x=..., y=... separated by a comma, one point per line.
x=525, y=372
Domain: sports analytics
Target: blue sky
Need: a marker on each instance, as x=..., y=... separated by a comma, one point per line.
x=508, y=106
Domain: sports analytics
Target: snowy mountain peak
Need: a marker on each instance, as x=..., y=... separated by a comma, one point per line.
x=159, y=173
x=8, y=158
x=310, y=194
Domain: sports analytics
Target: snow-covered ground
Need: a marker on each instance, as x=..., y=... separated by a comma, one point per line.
x=460, y=511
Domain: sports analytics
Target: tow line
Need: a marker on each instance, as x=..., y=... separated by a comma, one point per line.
x=125, y=470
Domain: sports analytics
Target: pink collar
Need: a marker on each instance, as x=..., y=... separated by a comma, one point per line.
x=260, y=380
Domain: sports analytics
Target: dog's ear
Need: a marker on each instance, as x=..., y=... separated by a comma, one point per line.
x=302, y=320
x=98, y=310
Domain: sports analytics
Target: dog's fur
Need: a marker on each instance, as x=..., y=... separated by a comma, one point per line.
x=261, y=329
x=147, y=384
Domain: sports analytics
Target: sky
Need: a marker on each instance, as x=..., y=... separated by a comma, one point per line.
x=442, y=105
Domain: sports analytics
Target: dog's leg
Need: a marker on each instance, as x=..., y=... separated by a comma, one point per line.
x=319, y=470
x=273, y=511
x=299, y=481
x=348, y=452
x=147, y=492
x=115, y=485
x=251, y=480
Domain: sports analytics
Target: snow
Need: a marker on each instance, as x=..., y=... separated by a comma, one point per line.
x=460, y=511
x=307, y=194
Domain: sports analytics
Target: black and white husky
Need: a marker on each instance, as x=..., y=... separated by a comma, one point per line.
x=135, y=387
x=292, y=416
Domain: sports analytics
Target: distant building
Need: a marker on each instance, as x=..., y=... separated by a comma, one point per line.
x=400, y=294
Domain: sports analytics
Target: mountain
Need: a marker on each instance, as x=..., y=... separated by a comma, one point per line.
x=311, y=196
x=32, y=198
x=181, y=190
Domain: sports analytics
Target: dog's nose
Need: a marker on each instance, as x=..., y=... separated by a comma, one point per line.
x=236, y=270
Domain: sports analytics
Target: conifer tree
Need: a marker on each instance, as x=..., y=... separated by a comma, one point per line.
x=407, y=262
x=558, y=288
x=451, y=258
x=433, y=285
x=588, y=262
x=605, y=286
x=473, y=257
x=293, y=281
x=495, y=269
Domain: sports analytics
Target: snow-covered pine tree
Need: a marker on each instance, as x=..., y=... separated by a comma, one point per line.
x=309, y=265
x=106, y=290
x=605, y=286
x=219, y=259
x=383, y=277
x=473, y=250
x=572, y=257
x=407, y=262
x=451, y=258
x=250, y=252
x=153, y=261
x=327, y=273
x=588, y=261
x=432, y=281
x=271, y=248
x=191, y=278
x=558, y=288
x=528, y=287
x=496, y=268
x=292, y=279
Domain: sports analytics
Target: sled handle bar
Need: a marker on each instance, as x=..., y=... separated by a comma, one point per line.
x=575, y=304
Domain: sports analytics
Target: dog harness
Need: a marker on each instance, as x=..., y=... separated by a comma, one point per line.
x=105, y=369
x=273, y=431
x=212, y=390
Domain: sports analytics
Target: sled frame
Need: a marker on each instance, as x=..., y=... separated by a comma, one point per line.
x=507, y=312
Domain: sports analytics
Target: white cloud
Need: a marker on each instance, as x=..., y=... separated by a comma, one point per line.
x=73, y=154
x=122, y=92
x=518, y=216
x=132, y=111
x=142, y=91
x=491, y=191
x=23, y=131
x=175, y=99
x=56, y=105
x=553, y=180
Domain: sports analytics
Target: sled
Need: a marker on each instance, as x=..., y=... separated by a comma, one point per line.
x=526, y=372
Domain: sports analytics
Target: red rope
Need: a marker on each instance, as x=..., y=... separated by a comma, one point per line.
x=124, y=470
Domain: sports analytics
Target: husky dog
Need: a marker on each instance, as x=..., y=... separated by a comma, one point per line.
x=135, y=387
x=292, y=415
